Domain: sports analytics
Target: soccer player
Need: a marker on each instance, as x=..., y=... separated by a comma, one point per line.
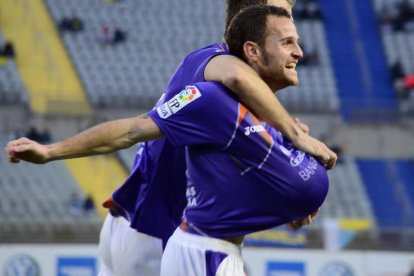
x=243, y=175
x=148, y=206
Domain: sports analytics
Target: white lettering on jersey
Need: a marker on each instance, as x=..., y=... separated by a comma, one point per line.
x=253, y=129
x=163, y=111
x=309, y=170
x=191, y=196
x=189, y=94
x=296, y=161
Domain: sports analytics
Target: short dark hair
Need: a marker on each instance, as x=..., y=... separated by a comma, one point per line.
x=233, y=7
x=250, y=25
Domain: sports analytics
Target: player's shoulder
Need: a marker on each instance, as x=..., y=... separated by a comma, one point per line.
x=215, y=48
x=209, y=85
x=208, y=91
x=212, y=89
x=199, y=97
x=215, y=94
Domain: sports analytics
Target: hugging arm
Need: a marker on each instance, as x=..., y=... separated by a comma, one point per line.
x=256, y=94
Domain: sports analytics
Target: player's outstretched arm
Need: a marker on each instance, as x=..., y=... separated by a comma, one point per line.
x=100, y=139
x=256, y=94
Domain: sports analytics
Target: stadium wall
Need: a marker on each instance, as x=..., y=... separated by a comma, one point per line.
x=75, y=260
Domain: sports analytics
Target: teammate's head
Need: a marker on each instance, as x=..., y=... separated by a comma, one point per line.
x=266, y=38
x=235, y=6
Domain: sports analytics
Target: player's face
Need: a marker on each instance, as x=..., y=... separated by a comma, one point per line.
x=280, y=53
x=280, y=3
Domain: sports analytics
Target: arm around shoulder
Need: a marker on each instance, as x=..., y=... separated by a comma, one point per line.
x=252, y=91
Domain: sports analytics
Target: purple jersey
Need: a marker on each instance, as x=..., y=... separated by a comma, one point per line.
x=153, y=196
x=243, y=176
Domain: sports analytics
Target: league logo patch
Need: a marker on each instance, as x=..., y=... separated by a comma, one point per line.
x=189, y=94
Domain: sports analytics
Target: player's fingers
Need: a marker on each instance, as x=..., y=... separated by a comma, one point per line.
x=14, y=160
x=14, y=147
x=23, y=145
x=330, y=164
x=302, y=126
x=16, y=152
x=323, y=157
x=293, y=225
x=19, y=141
x=327, y=156
x=305, y=128
x=315, y=213
x=320, y=150
x=10, y=145
x=297, y=224
x=9, y=149
x=23, y=141
x=13, y=144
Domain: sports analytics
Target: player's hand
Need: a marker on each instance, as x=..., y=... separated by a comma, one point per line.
x=297, y=224
x=320, y=150
x=26, y=150
x=302, y=126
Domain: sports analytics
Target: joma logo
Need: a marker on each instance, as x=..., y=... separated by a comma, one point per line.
x=253, y=129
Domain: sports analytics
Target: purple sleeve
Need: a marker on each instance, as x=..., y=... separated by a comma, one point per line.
x=191, y=69
x=200, y=60
x=200, y=114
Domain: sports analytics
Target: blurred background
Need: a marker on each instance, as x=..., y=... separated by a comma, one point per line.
x=68, y=65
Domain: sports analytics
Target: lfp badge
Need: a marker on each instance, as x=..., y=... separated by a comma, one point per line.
x=188, y=94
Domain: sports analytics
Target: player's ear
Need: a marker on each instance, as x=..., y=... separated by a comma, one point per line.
x=251, y=50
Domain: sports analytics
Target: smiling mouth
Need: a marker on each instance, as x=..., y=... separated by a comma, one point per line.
x=291, y=66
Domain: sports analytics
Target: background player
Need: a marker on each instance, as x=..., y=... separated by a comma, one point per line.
x=151, y=191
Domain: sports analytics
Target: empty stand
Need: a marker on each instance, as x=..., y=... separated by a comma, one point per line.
x=135, y=73
x=347, y=197
x=35, y=198
x=12, y=90
x=382, y=192
x=404, y=170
